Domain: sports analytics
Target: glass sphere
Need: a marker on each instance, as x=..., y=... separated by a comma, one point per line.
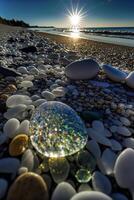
x=56, y=130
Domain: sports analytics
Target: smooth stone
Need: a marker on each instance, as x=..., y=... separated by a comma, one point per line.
x=22, y=70
x=83, y=69
x=116, y=146
x=128, y=142
x=59, y=169
x=123, y=169
x=84, y=187
x=9, y=165
x=15, y=112
x=3, y=187
x=28, y=186
x=98, y=126
x=92, y=195
x=94, y=148
x=24, y=127
x=39, y=102
x=35, y=97
x=125, y=121
x=101, y=183
x=22, y=170
x=26, y=84
x=100, y=84
x=130, y=80
x=63, y=191
x=98, y=137
x=17, y=99
x=122, y=130
x=108, y=160
x=48, y=95
x=27, y=160
x=118, y=196
x=59, y=92
x=114, y=74
x=11, y=127
x=18, y=145
x=3, y=138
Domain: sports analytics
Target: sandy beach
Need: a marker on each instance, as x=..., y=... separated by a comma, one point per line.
x=66, y=117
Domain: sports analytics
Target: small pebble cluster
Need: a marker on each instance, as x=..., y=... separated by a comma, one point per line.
x=35, y=70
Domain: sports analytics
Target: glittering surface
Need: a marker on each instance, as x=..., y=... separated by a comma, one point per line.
x=56, y=130
x=83, y=176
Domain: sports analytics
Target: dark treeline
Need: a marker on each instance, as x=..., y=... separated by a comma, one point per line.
x=13, y=22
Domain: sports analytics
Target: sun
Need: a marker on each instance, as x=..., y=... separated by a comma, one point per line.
x=75, y=19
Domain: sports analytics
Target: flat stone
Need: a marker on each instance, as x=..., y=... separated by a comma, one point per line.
x=83, y=69
x=114, y=74
x=27, y=160
x=100, y=84
x=28, y=186
x=122, y=130
x=26, y=84
x=125, y=121
x=24, y=127
x=3, y=187
x=48, y=95
x=101, y=183
x=94, y=148
x=116, y=146
x=39, y=102
x=59, y=92
x=15, y=112
x=128, y=142
x=63, y=191
x=17, y=99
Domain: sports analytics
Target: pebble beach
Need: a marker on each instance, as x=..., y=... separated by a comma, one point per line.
x=91, y=84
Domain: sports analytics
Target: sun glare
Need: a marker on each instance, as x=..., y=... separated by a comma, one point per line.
x=75, y=20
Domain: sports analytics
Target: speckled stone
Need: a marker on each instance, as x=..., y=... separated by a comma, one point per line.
x=18, y=145
x=28, y=186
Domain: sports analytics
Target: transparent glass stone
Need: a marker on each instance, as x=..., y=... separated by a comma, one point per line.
x=83, y=176
x=56, y=130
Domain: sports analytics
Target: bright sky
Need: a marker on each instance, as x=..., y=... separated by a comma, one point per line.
x=54, y=12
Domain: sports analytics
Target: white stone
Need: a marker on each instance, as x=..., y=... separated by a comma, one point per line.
x=9, y=166
x=28, y=160
x=83, y=69
x=24, y=127
x=63, y=191
x=114, y=74
x=130, y=80
x=92, y=195
x=17, y=99
x=123, y=169
x=59, y=92
x=26, y=84
x=11, y=127
x=3, y=187
x=101, y=183
x=15, y=112
x=122, y=130
x=48, y=95
x=39, y=102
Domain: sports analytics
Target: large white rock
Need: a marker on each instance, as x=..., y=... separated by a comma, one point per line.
x=17, y=99
x=83, y=69
x=114, y=74
x=63, y=191
x=124, y=169
x=130, y=80
x=92, y=195
x=11, y=127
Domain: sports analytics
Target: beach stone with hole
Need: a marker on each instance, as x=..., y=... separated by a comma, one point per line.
x=63, y=191
x=28, y=186
x=82, y=69
x=114, y=74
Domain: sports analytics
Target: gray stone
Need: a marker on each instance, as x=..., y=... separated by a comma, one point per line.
x=11, y=127
x=3, y=187
x=130, y=80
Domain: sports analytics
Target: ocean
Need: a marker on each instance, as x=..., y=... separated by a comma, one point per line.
x=115, y=35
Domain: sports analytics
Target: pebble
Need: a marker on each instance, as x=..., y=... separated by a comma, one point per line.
x=3, y=138
x=92, y=195
x=119, y=196
x=98, y=126
x=128, y=142
x=116, y=146
x=24, y=127
x=17, y=99
x=27, y=160
x=83, y=69
x=26, y=84
x=114, y=74
x=9, y=166
x=11, y=127
x=63, y=191
x=59, y=92
x=94, y=148
x=122, y=130
x=59, y=169
x=22, y=170
x=101, y=183
x=22, y=70
x=39, y=102
x=18, y=145
x=3, y=187
x=125, y=121
x=123, y=169
x=28, y=186
x=84, y=187
x=130, y=80
x=48, y=95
